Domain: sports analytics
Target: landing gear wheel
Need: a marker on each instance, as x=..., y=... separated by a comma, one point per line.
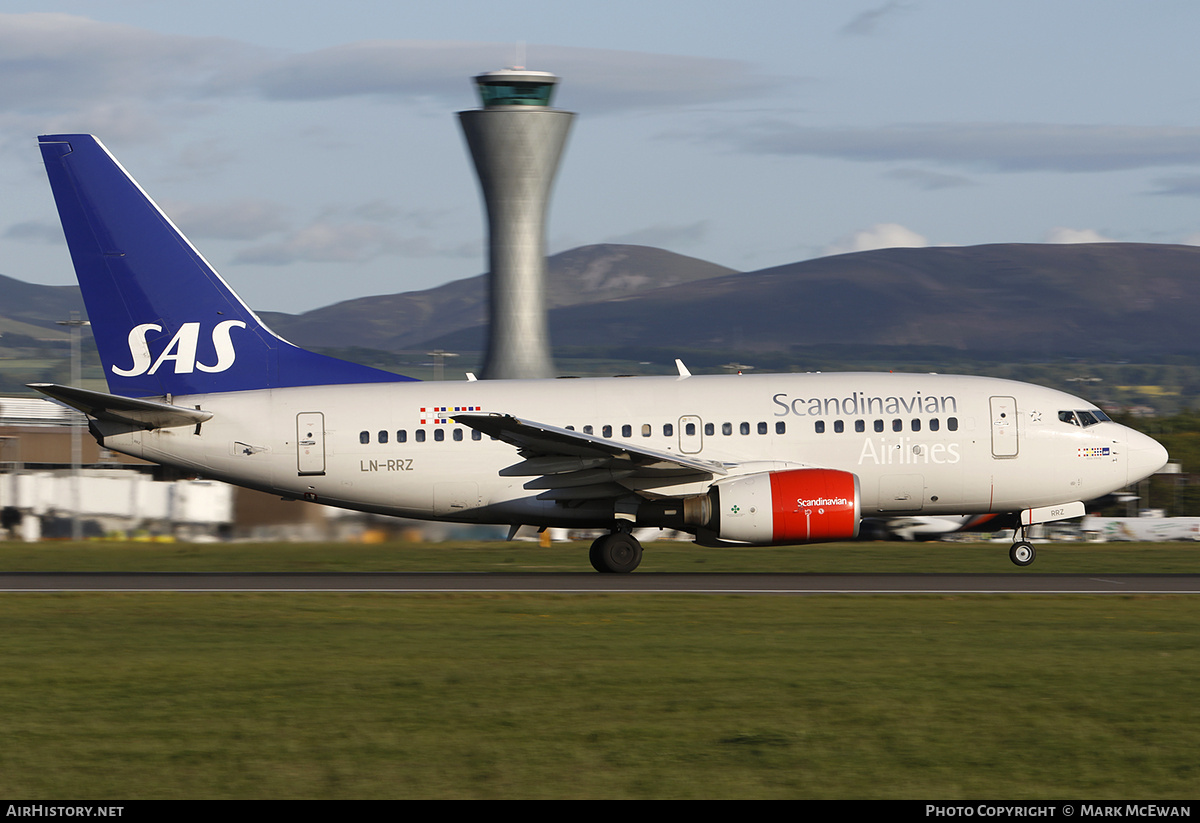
x=616, y=553
x=1022, y=553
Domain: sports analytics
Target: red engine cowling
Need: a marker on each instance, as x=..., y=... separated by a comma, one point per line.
x=796, y=506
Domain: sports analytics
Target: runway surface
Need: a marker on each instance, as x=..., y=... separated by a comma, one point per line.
x=796, y=584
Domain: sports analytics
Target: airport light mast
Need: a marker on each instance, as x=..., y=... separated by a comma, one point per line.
x=516, y=141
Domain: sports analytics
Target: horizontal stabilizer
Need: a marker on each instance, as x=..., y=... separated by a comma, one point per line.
x=145, y=414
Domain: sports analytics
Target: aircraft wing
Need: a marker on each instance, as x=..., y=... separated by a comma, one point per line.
x=145, y=414
x=570, y=465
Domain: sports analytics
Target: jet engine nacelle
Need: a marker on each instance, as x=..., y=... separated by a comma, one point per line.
x=795, y=506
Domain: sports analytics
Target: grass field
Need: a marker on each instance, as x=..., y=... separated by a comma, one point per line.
x=124, y=696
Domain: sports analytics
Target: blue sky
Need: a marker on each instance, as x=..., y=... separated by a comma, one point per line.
x=311, y=150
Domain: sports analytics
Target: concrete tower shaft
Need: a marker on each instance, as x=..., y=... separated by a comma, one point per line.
x=516, y=143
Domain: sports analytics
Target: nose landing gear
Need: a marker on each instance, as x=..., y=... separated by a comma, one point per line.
x=1022, y=552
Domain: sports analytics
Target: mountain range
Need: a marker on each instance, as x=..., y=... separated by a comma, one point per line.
x=1094, y=301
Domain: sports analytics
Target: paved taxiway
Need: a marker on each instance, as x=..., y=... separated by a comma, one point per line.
x=1015, y=583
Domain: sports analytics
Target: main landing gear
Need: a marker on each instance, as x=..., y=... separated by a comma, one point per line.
x=1022, y=552
x=616, y=553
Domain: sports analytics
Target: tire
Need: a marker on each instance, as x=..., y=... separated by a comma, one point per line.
x=1022, y=553
x=616, y=553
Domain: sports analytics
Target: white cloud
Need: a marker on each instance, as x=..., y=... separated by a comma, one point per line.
x=38, y=231
x=930, y=180
x=206, y=155
x=66, y=73
x=879, y=236
x=322, y=242
x=1004, y=147
x=600, y=79
x=329, y=240
x=58, y=62
x=1059, y=234
x=868, y=22
x=664, y=235
x=55, y=58
x=243, y=219
x=1185, y=185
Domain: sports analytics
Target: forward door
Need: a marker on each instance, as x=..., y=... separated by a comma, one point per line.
x=1004, y=427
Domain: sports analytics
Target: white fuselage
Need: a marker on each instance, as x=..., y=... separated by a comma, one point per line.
x=930, y=444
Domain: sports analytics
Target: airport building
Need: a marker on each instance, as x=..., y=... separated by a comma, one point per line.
x=41, y=491
x=113, y=494
x=516, y=140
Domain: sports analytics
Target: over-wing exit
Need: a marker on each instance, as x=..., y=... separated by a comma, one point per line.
x=197, y=381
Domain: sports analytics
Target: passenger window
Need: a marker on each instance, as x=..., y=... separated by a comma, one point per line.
x=708, y=429
x=819, y=426
x=364, y=437
x=952, y=424
x=645, y=430
x=839, y=426
x=458, y=435
x=402, y=436
x=383, y=437
x=587, y=429
x=726, y=428
x=860, y=425
x=934, y=425
x=780, y=427
x=668, y=430
x=627, y=430
x=476, y=434
x=878, y=425
x=606, y=431
x=690, y=429
x=916, y=425
x=762, y=427
x=420, y=435
x=744, y=428
x=897, y=425
x=439, y=435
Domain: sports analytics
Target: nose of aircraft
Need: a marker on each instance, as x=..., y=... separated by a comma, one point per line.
x=1146, y=456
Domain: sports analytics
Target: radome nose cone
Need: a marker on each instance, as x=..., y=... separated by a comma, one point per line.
x=1146, y=456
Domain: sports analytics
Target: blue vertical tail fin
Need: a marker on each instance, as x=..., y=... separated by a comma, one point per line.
x=165, y=322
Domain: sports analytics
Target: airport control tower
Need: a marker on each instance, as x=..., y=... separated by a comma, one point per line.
x=516, y=140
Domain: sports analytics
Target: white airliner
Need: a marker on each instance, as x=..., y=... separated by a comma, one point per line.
x=198, y=382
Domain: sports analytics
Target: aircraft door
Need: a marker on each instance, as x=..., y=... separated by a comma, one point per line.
x=691, y=438
x=1004, y=427
x=310, y=443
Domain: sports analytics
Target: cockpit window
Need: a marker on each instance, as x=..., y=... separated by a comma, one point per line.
x=1083, y=417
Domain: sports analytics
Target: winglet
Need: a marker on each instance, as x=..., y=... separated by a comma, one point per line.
x=683, y=370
